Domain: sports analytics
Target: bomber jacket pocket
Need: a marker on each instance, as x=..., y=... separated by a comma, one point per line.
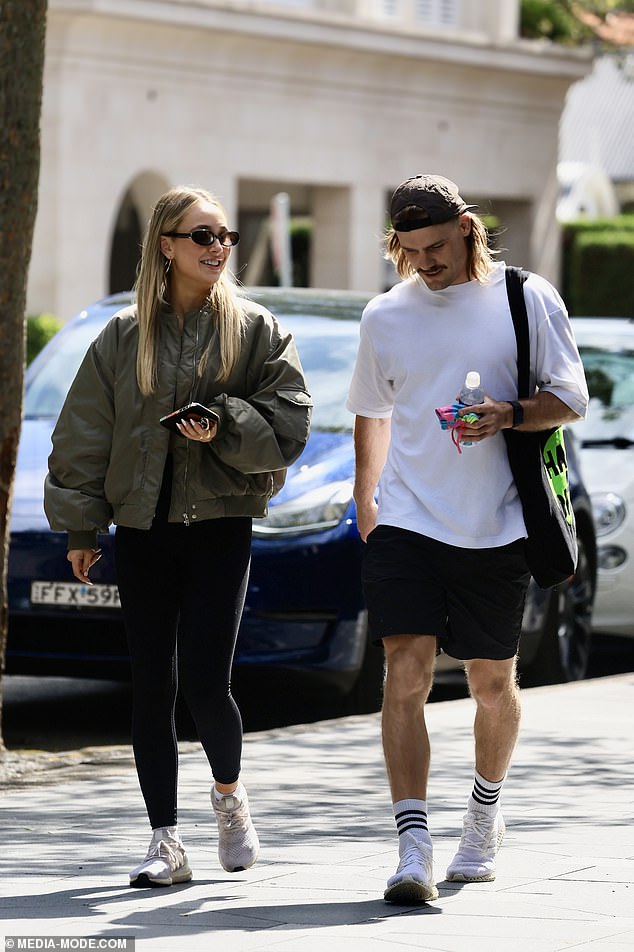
x=292, y=419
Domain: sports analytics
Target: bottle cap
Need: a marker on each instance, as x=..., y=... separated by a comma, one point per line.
x=473, y=380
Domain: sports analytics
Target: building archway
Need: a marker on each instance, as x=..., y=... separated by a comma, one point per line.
x=130, y=221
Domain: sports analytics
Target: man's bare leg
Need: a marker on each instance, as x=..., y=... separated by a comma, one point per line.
x=493, y=686
x=410, y=663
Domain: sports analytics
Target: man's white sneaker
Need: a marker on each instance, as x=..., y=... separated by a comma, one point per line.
x=165, y=863
x=413, y=881
x=482, y=837
x=238, y=843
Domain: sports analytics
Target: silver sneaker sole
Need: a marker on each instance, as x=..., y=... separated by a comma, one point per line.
x=143, y=881
x=464, y=878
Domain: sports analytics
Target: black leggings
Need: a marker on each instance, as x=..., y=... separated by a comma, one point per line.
x=182, y=584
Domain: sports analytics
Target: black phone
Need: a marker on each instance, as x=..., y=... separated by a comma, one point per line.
x=193, y=411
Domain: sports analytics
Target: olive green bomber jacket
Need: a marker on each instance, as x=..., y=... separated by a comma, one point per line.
x=109, y=450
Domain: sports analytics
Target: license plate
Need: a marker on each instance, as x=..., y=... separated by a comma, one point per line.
x=75, y=595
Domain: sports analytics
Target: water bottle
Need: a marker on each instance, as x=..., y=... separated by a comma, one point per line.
x=471, y=393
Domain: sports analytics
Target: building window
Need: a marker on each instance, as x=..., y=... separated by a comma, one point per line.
x=427, y=12
x=437, y=12
x=390, y=8
x=291, y=3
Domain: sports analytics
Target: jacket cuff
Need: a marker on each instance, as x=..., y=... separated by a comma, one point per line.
x=85, y=539
x=219, y=404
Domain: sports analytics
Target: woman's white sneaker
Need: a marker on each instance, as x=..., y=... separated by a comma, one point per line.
x=165, y=863
x=238, y=843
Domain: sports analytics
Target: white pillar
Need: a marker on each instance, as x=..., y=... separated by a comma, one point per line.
x=348, y=225
x=330, y=247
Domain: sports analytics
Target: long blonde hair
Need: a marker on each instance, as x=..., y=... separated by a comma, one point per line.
x=480, y=257
x=152, y=283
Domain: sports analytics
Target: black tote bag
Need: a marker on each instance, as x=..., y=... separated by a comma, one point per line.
x=540, y=469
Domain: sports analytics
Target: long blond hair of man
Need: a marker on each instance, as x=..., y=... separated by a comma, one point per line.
x=480, y=258
x=152, y=291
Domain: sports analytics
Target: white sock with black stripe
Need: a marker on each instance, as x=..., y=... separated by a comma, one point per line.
x=485, y=795
x=411, y=817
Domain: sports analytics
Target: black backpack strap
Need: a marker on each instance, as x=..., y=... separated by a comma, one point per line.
x=515, y=278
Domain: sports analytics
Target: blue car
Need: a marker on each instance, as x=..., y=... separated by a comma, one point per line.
x=304, y=616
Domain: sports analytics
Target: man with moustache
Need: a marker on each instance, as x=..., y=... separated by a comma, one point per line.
x=444, y=566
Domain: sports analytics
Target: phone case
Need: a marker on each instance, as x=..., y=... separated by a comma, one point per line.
x=193, y=411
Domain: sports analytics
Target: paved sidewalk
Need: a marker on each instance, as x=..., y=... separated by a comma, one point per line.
x=319, y=799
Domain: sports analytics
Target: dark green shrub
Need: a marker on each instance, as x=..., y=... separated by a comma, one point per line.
x=601, y=275
x=583, y=225
x=571, y=233
x=301, y=234
x=39, y=330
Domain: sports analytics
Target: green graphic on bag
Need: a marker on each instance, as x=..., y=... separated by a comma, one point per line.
x=556, y=463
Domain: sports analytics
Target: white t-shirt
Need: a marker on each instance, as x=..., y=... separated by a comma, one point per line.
x=415, y=350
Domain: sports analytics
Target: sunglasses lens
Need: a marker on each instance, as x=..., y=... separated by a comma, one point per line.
x=203, y=237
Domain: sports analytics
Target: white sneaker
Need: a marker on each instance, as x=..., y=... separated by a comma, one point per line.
x=482, y=837
x=165, y=863
x=413, y=881
x=238, y=843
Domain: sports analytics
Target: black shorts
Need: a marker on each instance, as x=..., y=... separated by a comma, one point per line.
x=472, y=600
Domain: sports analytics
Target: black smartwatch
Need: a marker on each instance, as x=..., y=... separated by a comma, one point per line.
x=518, y=413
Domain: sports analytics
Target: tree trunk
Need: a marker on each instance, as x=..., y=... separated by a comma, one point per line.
x=22, y=34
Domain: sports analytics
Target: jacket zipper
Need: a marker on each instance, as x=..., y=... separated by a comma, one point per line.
x=186, y=519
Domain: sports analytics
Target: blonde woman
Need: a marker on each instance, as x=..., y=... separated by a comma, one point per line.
x=182, y=499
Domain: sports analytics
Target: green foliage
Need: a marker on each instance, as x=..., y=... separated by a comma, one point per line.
x=572, y=232
x=551, y=20
x=301, y=230
x=623, y=222
x=601, y=273
x=555, y=20
x=39, y=330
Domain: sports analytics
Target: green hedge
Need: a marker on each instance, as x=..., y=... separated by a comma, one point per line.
x=601, y=276
x=582, y=225
x=597, y=268
x=39, y=330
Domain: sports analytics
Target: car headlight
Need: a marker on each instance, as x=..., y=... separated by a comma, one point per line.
x=608, y=510
x=610, y=557
x=314, y=511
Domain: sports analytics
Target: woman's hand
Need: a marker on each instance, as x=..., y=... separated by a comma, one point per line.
x=201, y=431
x=82, y=560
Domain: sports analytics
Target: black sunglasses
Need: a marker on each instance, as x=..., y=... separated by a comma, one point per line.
x=205, y=237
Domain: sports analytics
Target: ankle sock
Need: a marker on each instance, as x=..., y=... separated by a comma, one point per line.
x=411, y=817
x=166, y=832
x=218, y=796
x=485, y=796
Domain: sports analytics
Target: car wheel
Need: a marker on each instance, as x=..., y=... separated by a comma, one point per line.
x=564, y=649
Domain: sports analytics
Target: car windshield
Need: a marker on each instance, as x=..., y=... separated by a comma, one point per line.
x=49, y=378
x=327, y=348
x=609, y=366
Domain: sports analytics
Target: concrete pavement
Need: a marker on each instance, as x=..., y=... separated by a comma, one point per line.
x=319, y=799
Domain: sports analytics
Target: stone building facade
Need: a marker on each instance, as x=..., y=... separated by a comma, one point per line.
x=333, y=103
